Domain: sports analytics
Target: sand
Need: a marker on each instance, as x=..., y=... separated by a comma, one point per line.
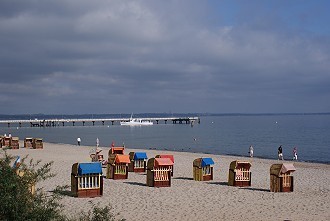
x=187, y=199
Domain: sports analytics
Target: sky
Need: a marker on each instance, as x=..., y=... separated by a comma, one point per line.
x=173, y=56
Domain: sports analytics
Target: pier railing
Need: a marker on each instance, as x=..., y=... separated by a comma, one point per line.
x=92, y=121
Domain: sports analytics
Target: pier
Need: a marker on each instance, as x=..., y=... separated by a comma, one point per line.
x=93, y=122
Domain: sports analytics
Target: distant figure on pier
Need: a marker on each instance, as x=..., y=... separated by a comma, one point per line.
x=9, y=135
x=295, y=153
x=79, y=141
x=97, y=142
x=280, y=153
x=251, y=151
x=112, y=144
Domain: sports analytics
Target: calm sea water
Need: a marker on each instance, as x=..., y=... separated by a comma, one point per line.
x=227, y=134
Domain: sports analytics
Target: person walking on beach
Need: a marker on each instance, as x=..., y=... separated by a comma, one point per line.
x=280, y=153
x=295, y=153
x=97, y=142
x=78, y=141
x=251, y=151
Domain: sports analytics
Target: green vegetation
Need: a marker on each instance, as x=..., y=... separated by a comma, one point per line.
x=98, y=213
x=19, y=200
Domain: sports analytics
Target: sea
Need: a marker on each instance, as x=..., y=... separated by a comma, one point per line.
x=223, y=134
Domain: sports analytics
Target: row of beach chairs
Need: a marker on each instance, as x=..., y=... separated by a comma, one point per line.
x=87, y=178
x=13, y=142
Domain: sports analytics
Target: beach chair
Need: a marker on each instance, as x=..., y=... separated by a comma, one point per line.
x=37, y=143
x=281, y=179
x=28, y=142
x=203, y=169
x=6, y=141
x=117, y=167
x=116, y=150
x=14, y=143
x=21, y=172
x=87, y=180
x=31, y=186
x=159, y=172
x=97, y=156
x=1, y=138
x=239, y=173
x=171, y=157
x=138, y=162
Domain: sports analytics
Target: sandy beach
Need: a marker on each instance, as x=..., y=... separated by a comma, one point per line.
x=187, y=199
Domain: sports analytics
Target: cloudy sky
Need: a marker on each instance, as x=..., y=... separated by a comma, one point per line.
x=117, y=56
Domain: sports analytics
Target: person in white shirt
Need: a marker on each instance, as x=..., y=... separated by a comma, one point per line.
x=97, y=142
x=79, y=141
x=251, y=151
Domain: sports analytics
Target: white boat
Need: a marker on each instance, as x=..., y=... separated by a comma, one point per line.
x=136, y=122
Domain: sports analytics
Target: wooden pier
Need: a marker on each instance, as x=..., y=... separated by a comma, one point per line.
x=88, y=121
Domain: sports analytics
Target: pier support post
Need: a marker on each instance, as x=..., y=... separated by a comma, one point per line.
x=57, y=122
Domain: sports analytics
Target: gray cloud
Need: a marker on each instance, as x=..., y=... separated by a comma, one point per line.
x=155, y=56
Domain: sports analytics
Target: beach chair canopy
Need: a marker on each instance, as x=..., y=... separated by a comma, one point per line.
x=140, y=156
x=163, y=162
x=171, y=157
x=246, y=165
x=29, y=138
x=14, y=138
x=89, y=168
x=240, y=164
x=207, y=162
x=122, y=159
x=117, y=150
x=287, y=167
x=17, y=162
x=279, y=169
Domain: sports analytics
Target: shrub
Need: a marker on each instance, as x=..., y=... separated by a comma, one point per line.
x=20, y=202
x=98, y=214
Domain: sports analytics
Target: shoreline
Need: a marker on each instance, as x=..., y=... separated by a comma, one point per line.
x=205, y=138
x=194, y=152
x=187, y=199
